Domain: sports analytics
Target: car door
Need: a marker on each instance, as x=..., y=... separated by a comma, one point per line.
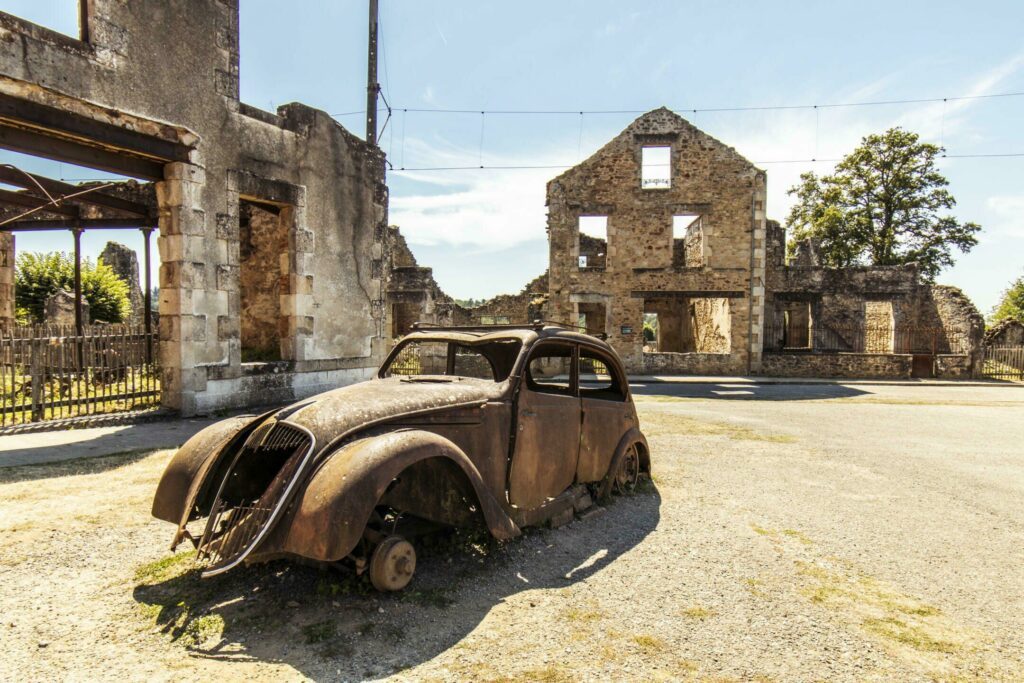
x=547, y=425
x=607, y=412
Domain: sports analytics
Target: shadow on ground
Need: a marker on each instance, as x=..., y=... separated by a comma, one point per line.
x=331, y=624
x=67, y=468
x=742, y=391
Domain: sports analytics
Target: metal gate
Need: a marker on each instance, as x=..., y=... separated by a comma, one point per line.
x=1004, y=362
x=48, y=372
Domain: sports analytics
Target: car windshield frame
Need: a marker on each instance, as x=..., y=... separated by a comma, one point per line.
x=509, y=361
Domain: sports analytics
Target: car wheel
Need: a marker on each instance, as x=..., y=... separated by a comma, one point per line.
x=628, y=473
x=392, y=564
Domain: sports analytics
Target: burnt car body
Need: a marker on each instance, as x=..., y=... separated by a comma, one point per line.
x=491, y=426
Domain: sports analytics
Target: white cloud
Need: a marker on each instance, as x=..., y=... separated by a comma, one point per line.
x=1009, y=216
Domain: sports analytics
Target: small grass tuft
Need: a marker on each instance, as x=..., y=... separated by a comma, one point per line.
x=650, y=644
x=319, y=632
x=166, y=568
x=698, y=612
x=201, y=629
x=901, y=632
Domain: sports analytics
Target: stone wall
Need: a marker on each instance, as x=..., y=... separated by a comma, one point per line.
x=176, y=80
x=125, y=263
x=7, y=256
x=723, y=257
x=850, y=365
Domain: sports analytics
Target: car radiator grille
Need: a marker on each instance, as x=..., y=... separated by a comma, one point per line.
x=235, y=524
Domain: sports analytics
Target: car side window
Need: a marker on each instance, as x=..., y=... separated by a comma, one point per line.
x=549, y=369
x=599, y=377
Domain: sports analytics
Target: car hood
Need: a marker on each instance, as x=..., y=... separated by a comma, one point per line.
x=344, y=410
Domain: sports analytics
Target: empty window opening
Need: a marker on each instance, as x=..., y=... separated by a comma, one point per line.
x=592, y=318
x=656, y=167
x=494, y=320
x=687, y=241
x=599, y=378
x=263, y=243
x=797, y=325
x=403, y=315
x=550, y=370
x=878, y=327
x=592, y=245
x=697, y=325
x=63, y=16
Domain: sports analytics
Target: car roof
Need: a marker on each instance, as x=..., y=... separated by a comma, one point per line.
x=525, y=333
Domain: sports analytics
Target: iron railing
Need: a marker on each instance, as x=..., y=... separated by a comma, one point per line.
x=49, y=372
x=864, y=339
x=1003, y=362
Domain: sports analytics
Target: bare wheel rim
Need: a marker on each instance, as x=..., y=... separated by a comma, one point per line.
x=629, y=471
x=392, y=564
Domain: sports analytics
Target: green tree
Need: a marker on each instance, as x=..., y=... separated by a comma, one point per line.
x=39, y=275
x=881, y=206
x=1011, y=306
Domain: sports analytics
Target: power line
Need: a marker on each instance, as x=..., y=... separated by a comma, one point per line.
x=695, y=110
x=770, y=161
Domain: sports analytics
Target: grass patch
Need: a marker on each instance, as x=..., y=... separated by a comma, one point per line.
x=428, y=597
x=585, y=616
x=169, y=567
x=650, y=644
x=698, y=612
x=913, y=636
x=203, y=628
x=319, y=632
x=798, y=535
x=663, y=423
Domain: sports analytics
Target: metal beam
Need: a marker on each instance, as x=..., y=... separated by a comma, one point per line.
x=19, y=178
x=85, y=224
x=74, y=152
x=89, y=131
x=27, y=201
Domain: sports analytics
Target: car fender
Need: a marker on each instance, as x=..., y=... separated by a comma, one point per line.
x=633, y=436
x=184, y=475
x=328, y=518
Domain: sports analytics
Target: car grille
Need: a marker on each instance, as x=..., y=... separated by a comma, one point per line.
x=235, y=524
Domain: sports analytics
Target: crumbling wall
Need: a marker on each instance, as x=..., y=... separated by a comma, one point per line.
x=6, y=280
x=176, y=79
x=722, y=258
x=125, y=263
x=262, y=241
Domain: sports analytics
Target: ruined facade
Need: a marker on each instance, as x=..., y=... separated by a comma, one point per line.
x=125, y=263
x=664, y=227
x=280, y=215
x=665, y=224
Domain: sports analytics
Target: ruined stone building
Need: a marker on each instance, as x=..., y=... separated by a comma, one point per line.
x=665, y=225
x=271, y=225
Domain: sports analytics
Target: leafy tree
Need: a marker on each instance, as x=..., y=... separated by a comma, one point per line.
x=1011, y=306
x=882, y=207
x=39, y=275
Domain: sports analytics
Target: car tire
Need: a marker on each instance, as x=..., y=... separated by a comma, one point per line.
x=628, y=472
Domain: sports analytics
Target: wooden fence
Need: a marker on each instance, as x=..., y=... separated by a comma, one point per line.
x=48, y=372
x=864, y=339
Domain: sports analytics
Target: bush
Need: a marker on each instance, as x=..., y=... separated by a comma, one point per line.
x=38, y=276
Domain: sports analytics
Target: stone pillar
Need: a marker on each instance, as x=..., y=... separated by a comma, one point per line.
x=125, y=264
x=183, y=285
x=6, y=280
x=758, y=259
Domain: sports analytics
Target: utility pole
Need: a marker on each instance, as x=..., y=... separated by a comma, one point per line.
x=372, y=87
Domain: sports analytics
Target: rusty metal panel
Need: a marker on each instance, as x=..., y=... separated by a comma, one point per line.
x=604, y=422
x=547, y=446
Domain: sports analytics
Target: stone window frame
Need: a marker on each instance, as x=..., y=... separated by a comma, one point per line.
x=576, y=239
x=590, y=298
x=297, y=304
x=81, y=43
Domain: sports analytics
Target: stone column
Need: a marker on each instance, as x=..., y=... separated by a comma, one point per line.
x=6, y=280
x=758, y=255
x=183, y=284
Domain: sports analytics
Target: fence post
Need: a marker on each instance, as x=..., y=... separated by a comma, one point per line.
x=36, y=378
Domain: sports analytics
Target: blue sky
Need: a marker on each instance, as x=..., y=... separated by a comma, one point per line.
x=483, y=230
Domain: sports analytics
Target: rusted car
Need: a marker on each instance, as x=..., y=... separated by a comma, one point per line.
x=501, y=426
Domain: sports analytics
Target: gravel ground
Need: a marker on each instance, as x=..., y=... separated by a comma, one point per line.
x=791, y=533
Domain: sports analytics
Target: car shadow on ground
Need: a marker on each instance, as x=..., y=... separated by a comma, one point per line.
x=743, y=391
x=331, y=624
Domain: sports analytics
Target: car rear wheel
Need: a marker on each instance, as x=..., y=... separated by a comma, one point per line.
x=628, y=472
x=392, y=564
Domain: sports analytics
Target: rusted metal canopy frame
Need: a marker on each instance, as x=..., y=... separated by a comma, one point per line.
x=30, y=181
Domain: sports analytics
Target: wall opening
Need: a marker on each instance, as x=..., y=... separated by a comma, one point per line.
x=695, y=325
x=796, y=325
x=403, y=315
x=263, y=258
x=687, y=240
x=63, y=16
x=592, y=242
x=655, y=168
x=592, y=318
x=878, y=327
x=495, y=320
